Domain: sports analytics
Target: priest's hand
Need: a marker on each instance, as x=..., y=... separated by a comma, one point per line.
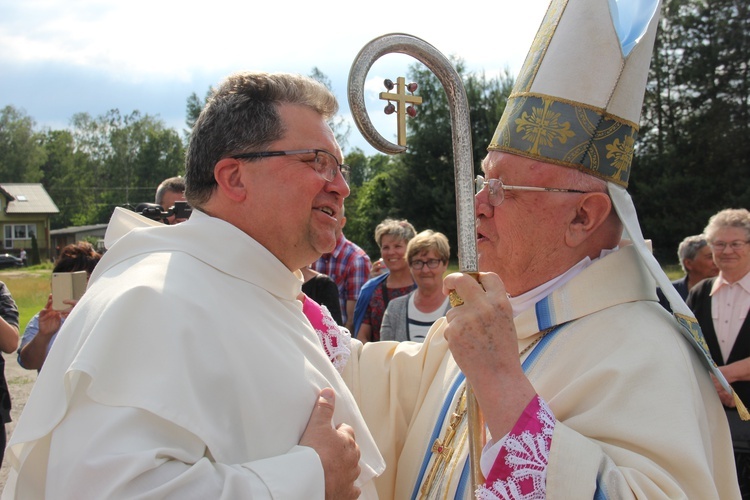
x=482, y=337
x=337, y=449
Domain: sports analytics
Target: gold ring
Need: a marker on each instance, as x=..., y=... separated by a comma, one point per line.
x=454, y=299
x=453, y=296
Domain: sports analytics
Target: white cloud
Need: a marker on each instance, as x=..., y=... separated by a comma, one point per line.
x=148, y=45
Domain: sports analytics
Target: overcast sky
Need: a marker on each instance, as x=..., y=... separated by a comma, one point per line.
x=58, y=58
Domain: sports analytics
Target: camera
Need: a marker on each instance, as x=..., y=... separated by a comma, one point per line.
x=181, y=210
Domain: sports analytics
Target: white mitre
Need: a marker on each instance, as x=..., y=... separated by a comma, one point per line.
x=577, y=103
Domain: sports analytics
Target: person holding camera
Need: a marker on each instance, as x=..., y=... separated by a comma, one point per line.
x=170, y=191
x=42, y=328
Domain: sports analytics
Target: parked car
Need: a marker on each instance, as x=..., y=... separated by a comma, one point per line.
x=8, y=260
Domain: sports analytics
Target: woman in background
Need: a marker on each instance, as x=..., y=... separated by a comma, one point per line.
x=411, y=316
x=392, y=236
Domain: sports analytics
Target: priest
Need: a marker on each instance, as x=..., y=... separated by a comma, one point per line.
x=189, y=369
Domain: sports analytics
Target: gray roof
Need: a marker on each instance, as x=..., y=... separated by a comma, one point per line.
x=28, y=199
x=78, y=229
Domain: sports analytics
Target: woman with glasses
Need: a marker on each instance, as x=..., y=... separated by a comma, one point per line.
x=721, y=307
x=392, y=237
x=411, y=316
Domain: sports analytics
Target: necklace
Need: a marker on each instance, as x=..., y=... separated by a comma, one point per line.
x=444, y=448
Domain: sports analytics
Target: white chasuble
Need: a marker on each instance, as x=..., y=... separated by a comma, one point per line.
x=636, y=413
x=188, y=370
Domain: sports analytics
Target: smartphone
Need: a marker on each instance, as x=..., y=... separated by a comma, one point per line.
x=67, y=286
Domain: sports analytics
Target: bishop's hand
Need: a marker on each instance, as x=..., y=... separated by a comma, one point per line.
x=480, y=332
x=482, y=337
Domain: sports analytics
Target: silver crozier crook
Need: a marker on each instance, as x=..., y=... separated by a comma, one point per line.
x=463, y=167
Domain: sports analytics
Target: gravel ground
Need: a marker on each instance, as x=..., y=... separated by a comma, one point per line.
x=20, y=382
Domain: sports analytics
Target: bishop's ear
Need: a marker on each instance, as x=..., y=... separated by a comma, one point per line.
x=592, y=210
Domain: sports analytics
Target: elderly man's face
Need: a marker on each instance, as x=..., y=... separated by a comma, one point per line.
x=520, y=238
x=291, y=209
x=703, y=265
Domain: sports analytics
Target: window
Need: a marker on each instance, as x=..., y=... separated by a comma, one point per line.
x=18, y=233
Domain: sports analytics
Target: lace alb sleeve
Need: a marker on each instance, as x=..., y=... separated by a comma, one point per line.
x=520, y=469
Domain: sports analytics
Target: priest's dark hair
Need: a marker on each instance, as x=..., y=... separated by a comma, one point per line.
x=241, y=116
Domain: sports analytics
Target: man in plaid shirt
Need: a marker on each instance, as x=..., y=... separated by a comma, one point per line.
x=349, y=266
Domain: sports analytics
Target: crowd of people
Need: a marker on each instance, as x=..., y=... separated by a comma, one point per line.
x=200, y=364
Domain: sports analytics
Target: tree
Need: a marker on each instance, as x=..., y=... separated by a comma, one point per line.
x=341, y=129
x=373, y=204
x=67, y=179
x=144, y=153
x=193, y=110
x=21, y=150
x=694, y=143
x=125, y=158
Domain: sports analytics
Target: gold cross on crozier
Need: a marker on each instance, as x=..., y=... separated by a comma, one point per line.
x=402, y=99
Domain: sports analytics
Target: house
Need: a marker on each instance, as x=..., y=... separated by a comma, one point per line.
x=25, y=211
x=93, y=233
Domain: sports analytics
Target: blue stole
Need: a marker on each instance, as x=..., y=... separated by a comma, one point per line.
x=545, y=319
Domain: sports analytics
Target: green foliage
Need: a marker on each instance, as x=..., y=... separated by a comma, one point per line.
x=374, y=202
x=68, y=177
x=107, y=161
x=21, y=151
x=691, y=158
x=341, y=128
x=193, y=110
x=93, y=240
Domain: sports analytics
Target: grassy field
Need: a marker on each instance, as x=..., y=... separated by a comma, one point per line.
x=674, y=271
x=29, y=288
